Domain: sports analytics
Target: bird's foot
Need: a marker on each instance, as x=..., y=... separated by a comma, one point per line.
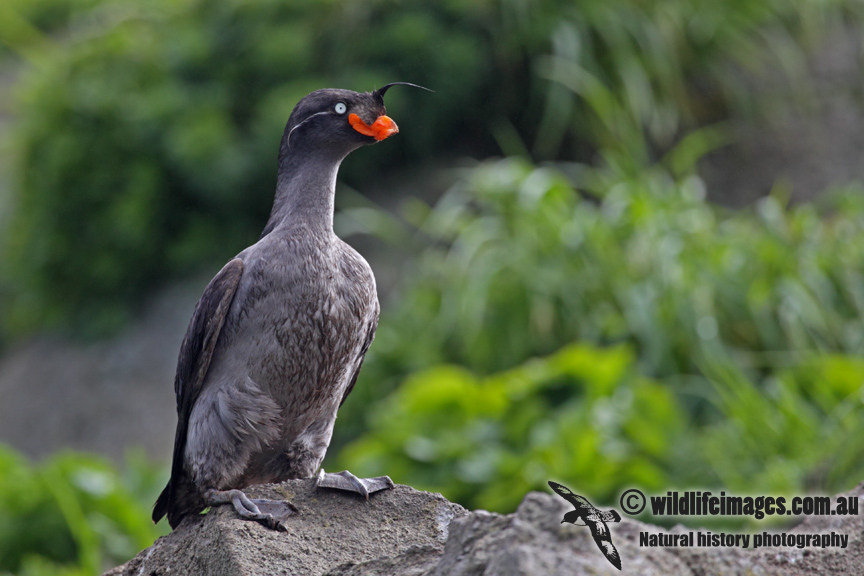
x=270, y=513
x=345, y=480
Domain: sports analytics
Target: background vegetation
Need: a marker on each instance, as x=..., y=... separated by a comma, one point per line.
x=73, y=514
x=157, y=153
x=574, y=311
x=752, y=321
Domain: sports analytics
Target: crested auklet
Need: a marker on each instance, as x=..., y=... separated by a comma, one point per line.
x=277, y=339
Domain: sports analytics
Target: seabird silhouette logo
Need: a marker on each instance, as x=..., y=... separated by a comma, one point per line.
x=586, y=514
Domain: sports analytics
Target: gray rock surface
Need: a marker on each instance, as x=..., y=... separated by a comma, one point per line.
x=331, y=529
x=404, y=532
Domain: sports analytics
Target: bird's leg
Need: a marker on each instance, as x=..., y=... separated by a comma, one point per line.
x=345, y=480
x=272, y=516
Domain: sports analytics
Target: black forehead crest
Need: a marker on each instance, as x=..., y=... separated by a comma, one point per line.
x=327, y=96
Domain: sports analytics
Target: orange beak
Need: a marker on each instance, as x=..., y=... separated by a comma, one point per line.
x=383, y=126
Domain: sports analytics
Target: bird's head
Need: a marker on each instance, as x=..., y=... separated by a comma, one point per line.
x=573, y=517
x=336, y=121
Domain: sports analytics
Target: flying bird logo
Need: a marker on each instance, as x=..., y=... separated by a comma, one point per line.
x=586, y=514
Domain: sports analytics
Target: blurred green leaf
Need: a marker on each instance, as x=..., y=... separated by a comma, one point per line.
x=582, y=413
x=73, y=514
x=751, y=319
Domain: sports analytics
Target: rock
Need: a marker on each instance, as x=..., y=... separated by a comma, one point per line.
x=532, y=541
x=331, y=532
x=404, y=532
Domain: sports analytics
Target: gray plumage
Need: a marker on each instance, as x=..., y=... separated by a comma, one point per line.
x=278, y=338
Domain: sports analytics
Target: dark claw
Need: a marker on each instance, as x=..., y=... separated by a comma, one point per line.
x=270, y=522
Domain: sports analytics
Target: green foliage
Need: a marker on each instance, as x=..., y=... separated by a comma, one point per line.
x=802, y=429
x=157, y=155
x=518, y=263
x=586, y=417
x=582, y=413
x=753, y=319
x=73, y=514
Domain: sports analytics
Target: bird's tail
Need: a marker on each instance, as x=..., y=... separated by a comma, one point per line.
x=160, y=509
x=177, y=500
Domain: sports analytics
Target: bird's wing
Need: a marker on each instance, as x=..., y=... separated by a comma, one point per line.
x=194, y=361
x=603, y=538
x=203, y=333
x=370, y=335
x=580, y=502
x=608, y=516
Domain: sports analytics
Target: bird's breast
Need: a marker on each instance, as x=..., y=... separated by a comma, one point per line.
x=300, y=325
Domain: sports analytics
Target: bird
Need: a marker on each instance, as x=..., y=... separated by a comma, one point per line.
x=278, y=337
x=586, y=514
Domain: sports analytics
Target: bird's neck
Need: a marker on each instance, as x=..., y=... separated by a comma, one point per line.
x=305, y=192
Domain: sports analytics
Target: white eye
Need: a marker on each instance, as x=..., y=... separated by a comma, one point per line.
x=340, y=108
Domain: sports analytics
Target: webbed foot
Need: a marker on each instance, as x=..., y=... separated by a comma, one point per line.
x=347, y=481
x=270, y=513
